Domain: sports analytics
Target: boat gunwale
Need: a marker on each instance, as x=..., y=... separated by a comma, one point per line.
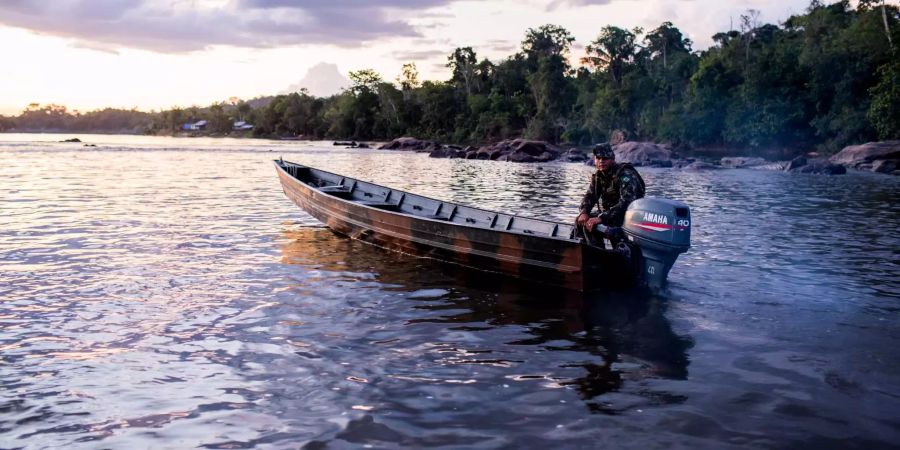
x=560, y=238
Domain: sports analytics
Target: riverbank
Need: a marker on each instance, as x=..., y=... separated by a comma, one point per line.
x=636, y=152
x=706, y=153
x=881, y=157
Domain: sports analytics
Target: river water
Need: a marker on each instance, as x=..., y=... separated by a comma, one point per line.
x=163, y=293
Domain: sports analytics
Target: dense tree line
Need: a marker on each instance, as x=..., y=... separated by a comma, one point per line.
x=54, y=118
x=824, y=79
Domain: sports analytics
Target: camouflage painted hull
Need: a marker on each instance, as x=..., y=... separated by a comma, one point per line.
x=530, y=249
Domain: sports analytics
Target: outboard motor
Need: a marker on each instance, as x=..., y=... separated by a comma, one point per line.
x=661, y=228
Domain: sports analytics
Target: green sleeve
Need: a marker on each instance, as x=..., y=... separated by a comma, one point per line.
x=589, y=200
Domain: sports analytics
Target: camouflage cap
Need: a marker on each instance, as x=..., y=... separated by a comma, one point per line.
x=604, y=150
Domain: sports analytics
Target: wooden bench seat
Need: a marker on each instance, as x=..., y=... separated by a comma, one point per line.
x=378, y=204
x=334, y=188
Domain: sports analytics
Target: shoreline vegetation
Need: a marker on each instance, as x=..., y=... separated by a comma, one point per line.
x=818, y=83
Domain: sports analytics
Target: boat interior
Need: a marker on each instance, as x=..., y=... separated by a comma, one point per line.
x=400, y=202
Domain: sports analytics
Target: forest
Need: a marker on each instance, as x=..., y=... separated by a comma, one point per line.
x=824, y=79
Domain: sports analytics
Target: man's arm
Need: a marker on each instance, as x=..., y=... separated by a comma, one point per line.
x=588, y=201
x=627, y=193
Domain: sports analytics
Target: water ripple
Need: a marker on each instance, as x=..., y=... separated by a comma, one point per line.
x=159, y=292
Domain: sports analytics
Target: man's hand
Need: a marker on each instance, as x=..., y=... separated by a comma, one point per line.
x=592, y=223
x=582, y=218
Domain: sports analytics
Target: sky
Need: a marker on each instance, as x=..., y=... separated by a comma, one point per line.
x=156, y=54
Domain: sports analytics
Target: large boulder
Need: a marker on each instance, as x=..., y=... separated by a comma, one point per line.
x=817, y=166
x=534, y=148
x=795, y=163
x=865, y=156
x=682, y=163
x=411, y=144
x=488, y=153
x=518, y=156
x=430, y=148
x=642, y=153
x=574, y=155
x=886, y=166
x=447, y=152
x=517, y=150
x=546, y=156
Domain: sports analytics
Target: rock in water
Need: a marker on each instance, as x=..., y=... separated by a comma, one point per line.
x=574, y=155
x=864, y=156
x=700, y=165
x=409, y=143
x=642, y=153
x=795, y=163
x=533, y=148
x=518, y=156
x=445, y=152
x=818, y=165
x=855, y=155
x=737, y=162
x=517, y=150
x=885, y=166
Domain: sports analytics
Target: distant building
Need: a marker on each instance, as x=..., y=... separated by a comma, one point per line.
x=242, y=126
x=199, y=125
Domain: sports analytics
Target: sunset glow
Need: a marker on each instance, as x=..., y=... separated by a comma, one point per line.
x=149, y=54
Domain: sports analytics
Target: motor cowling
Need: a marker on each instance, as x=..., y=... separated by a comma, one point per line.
x=661, y=229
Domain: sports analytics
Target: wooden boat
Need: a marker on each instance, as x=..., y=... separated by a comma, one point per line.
x=531, y=249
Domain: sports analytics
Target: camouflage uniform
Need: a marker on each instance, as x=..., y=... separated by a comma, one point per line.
x=613, y=190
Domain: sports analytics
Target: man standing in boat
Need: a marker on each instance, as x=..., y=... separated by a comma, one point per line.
x=613, y=187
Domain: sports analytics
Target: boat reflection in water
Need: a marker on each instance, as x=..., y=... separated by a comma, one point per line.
x=595, y=343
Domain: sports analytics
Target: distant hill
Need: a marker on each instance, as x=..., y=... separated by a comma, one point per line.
x=260, y=102
x=321, y=80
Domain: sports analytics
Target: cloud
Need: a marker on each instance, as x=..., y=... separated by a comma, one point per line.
x=97, y=47
x=445, y=42
x=177, y=26
x=553, y=5
x=418, y=55
x=501, y=45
